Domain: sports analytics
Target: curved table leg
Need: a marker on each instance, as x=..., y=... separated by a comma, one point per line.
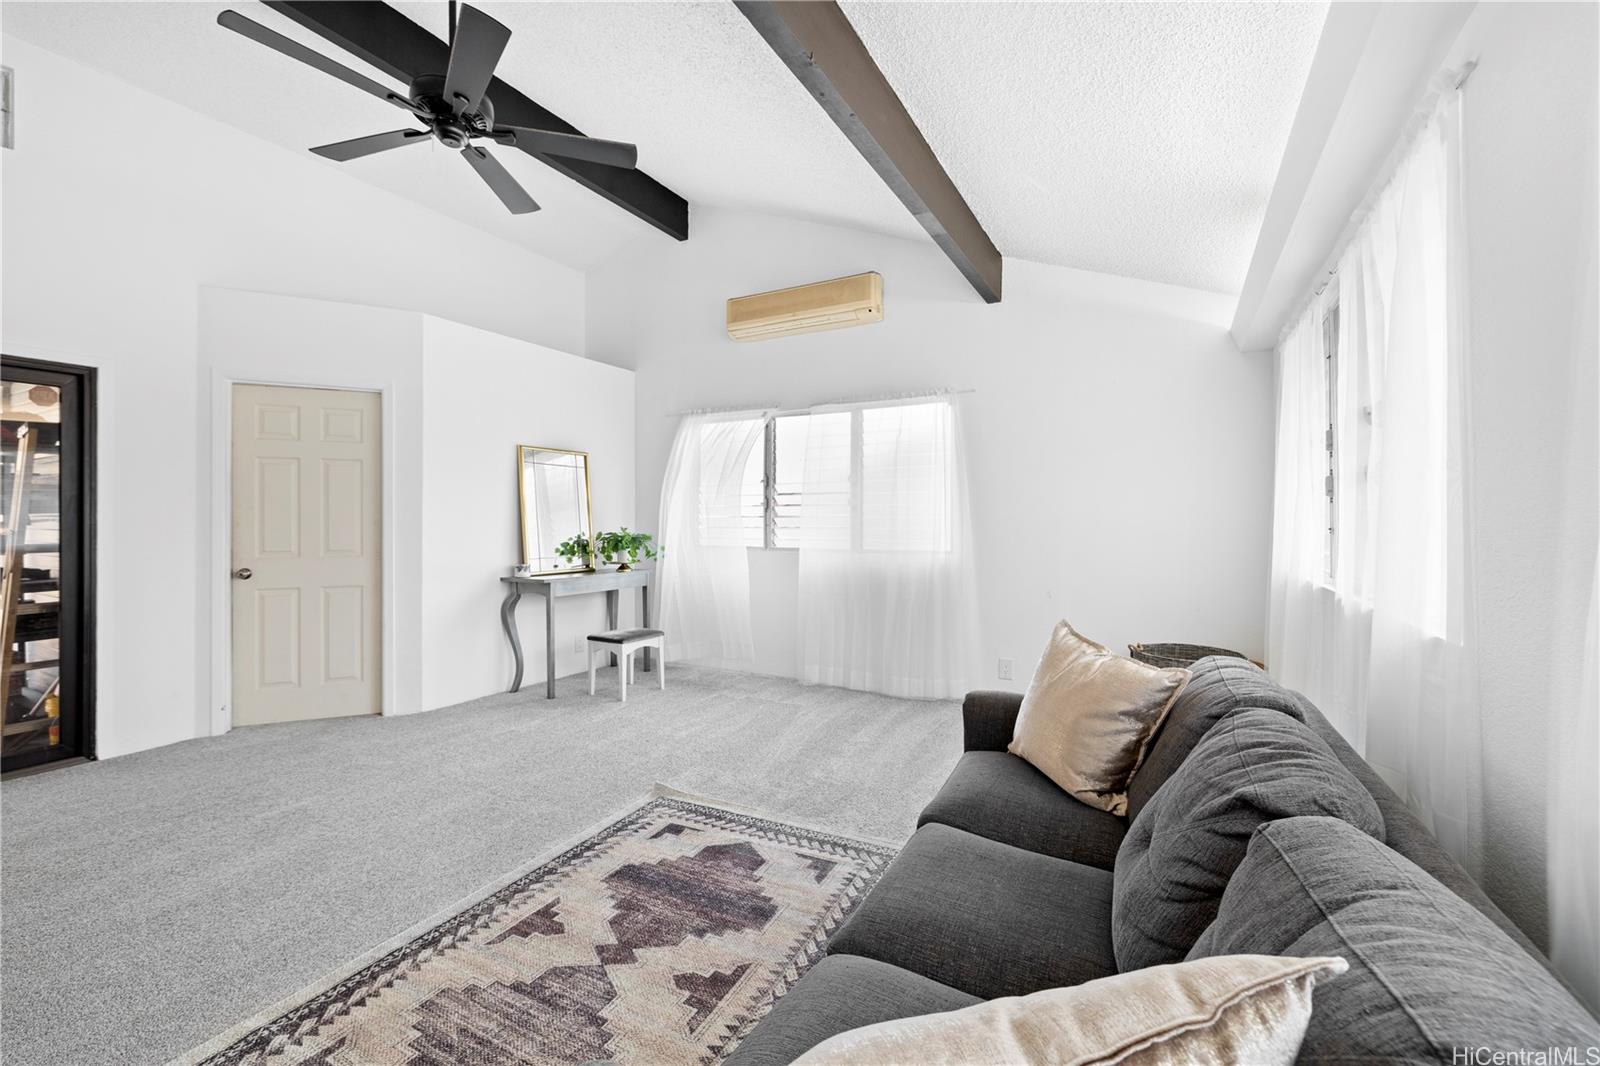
x=508, y=620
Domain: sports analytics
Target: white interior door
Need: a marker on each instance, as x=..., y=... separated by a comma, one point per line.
x=307, y=532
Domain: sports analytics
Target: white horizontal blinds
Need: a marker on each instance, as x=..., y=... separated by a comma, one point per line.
x=788, y=475
x=752, y=495
x=906, y=477
x=730, y=473
x=812, y=500
x=875, y=478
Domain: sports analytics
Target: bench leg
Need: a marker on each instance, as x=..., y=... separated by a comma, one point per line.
x=622, y=676
x=591, y=669
x=661, y=667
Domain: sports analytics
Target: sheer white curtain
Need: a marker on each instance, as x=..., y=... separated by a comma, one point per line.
x=1573, y=812
x=1374, y=621
x=886, y=569
x=703, y=572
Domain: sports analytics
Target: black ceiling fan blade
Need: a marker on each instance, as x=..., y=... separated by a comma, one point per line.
x=498, y=178
x=343, y=151
x=474, y=53
x=295, y=50
x=574, y=146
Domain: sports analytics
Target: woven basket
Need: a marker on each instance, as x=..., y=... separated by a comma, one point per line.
x=1178, y=654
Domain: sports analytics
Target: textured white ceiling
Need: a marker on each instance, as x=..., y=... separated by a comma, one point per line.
x=1137, y=139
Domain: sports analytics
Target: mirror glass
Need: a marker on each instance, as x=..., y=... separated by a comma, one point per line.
x=553, y=486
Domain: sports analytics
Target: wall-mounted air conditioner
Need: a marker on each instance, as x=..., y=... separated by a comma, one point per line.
x=852, y=301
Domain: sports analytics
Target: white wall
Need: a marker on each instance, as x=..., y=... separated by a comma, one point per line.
x=458, y=400
x=108, y=238
x=1120, y=445
x=486, y=394
x=1530, y=128
x=260, y=337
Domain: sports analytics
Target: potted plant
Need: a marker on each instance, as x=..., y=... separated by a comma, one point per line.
x=574, y=548
x=624, y=547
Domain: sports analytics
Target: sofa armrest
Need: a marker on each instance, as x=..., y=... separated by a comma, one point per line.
x=988, y=719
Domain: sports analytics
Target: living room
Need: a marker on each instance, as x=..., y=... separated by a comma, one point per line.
x=849, y=532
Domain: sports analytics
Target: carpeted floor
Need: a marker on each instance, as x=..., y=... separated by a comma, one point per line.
x=151, y=901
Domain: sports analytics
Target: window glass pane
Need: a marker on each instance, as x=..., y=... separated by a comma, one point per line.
x=812, y=487
x=905, y=477
x=30, y=482
x=731, y=496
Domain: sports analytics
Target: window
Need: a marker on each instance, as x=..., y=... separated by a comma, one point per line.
x=47, y=567
x=730, y=507
x=873, y=478
x=1330, y=355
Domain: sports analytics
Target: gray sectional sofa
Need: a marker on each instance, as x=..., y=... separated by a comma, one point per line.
x=1252, y=828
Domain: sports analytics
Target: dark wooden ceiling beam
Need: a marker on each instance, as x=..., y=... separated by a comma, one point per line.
x=383, y=37
x=815, y=40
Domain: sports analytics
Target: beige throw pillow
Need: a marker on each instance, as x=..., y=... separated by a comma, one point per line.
x=1089, y=715
x=1221, y=1010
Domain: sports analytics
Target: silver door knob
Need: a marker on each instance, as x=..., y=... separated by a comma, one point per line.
x=244, y=573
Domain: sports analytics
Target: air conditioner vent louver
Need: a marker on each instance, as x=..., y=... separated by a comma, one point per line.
x=835, y=304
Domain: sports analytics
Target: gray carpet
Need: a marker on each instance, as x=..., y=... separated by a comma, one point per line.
x=148, y=902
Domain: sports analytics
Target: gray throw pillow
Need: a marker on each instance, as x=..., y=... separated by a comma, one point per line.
x=1254, y=766
x=1429, y=974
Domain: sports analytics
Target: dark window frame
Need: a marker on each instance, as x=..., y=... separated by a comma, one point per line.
x=79, y=386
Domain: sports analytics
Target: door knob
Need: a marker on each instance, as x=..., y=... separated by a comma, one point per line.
x=244, y=573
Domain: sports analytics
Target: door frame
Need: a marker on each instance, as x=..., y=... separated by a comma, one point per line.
x=80, y=501
x=222, y=384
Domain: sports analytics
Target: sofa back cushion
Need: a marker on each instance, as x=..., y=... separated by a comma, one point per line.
x=1254, y=766
x=1429, y=974
x=1217, y=686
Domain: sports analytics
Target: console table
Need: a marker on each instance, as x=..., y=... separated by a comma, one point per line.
x=557, y=586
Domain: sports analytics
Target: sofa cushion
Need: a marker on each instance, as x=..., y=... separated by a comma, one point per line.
x=1217, y=686
x=1253, y=766
x=997, y=795
x=839, y=993
x=984, y=917
x=1429, y=974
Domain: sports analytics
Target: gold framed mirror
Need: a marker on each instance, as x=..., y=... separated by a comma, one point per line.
x=553, y=498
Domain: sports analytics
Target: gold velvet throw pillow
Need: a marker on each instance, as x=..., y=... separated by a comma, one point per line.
x=1220, y=1010
x=1089, y=715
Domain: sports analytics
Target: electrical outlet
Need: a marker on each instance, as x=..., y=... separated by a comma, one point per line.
x=577, y=645
x=1004, y=670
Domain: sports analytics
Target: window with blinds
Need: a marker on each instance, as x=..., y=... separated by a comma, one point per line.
x=732, y=497
x=870, y=478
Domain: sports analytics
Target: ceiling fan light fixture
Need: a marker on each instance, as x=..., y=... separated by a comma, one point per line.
x=454, y=105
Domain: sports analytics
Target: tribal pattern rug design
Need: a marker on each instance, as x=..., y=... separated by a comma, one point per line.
x=661, y=939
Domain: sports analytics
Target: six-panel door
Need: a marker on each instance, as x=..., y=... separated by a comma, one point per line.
x=307, y=535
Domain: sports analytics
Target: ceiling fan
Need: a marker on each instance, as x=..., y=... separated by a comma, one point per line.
x=451, y=105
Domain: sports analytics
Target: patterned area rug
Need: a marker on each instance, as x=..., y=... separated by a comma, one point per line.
x=660, y=939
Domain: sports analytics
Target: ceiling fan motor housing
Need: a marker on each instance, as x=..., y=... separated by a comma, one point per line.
x=451, y=130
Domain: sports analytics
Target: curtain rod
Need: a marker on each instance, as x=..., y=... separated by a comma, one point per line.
x=779, y=409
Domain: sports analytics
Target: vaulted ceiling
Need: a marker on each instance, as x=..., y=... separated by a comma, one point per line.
x=1134, y=139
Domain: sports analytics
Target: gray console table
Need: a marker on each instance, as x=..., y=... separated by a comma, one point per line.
x=558, y=586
